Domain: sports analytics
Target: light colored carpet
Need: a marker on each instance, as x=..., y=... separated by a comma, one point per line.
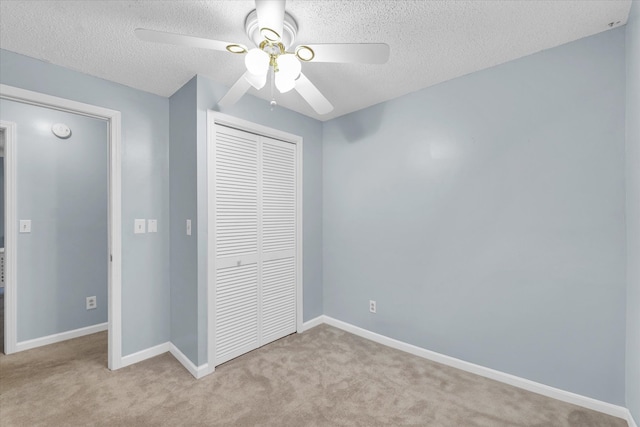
x=323, y=377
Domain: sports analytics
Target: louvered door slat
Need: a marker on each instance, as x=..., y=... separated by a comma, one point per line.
x=278, y=299
x=278, y=233
x=278, y=195
x=236, y=192
x=236, y=311
x=236, y=243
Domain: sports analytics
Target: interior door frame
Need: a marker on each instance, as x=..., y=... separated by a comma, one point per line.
x=9, y=129
x=113, y=118
x=216, y=118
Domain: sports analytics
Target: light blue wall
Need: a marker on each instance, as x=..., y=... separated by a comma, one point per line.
x=1, y=202
x=145, y=187
x=182, y=151
x=62, y=189
x=258, y=111
x=633, y=211
x=485, y=215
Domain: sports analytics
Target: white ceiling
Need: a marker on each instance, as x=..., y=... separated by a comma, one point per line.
x=431, y=41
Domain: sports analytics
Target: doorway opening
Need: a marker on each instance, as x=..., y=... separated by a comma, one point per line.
x=17, y=269
x=2, y=258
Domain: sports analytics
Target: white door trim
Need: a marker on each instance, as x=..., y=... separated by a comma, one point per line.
x=9, y=129
x=213, y=118
x=113, y=119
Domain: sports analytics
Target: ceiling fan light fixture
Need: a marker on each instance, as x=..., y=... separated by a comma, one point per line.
x=284, y=83
x=305, y=53
x=257, y=62
x=273, y=32
x=289, y=66
x=236, y=48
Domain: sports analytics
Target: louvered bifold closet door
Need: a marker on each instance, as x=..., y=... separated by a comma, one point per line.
x=278, y=240
x=236, y=183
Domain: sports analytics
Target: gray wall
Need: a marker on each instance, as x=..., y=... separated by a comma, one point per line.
x=633, y=211
x=485, y=216
x=182, y=151
x=145, y=187
x=62, y=189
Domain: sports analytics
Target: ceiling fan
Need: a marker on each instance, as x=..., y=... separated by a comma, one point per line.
x=274, y=31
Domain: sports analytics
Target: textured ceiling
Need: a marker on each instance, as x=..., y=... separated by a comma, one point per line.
x=431, y=41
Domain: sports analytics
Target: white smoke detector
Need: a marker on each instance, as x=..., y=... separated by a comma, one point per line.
x=61, y=130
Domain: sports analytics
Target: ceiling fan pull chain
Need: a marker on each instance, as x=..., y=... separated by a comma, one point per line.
x=273, y=98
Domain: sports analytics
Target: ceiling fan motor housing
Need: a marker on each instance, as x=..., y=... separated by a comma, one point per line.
x=290, y=29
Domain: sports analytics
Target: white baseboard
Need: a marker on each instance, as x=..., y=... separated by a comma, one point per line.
x=62, y=336
x=630, y=420
x=197, y=371
x=545, y=390
x=313, y=322
x=145, y=354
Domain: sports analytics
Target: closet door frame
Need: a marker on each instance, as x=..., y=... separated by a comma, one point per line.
x=215, y=118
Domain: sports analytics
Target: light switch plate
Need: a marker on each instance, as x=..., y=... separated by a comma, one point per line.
x=188, y=227
x=25, y=226
x=139, y=226
x=152, y=226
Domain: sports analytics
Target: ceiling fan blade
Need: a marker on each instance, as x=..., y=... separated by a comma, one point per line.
x=312, y=95
x=356, y=53
x=182, y=40
x=271, y=15
x=239, y=88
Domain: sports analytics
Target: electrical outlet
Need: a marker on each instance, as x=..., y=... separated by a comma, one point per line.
x=372, y=306
x=91, y=303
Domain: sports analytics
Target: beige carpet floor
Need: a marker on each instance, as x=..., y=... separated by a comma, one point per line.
x=323, y=377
